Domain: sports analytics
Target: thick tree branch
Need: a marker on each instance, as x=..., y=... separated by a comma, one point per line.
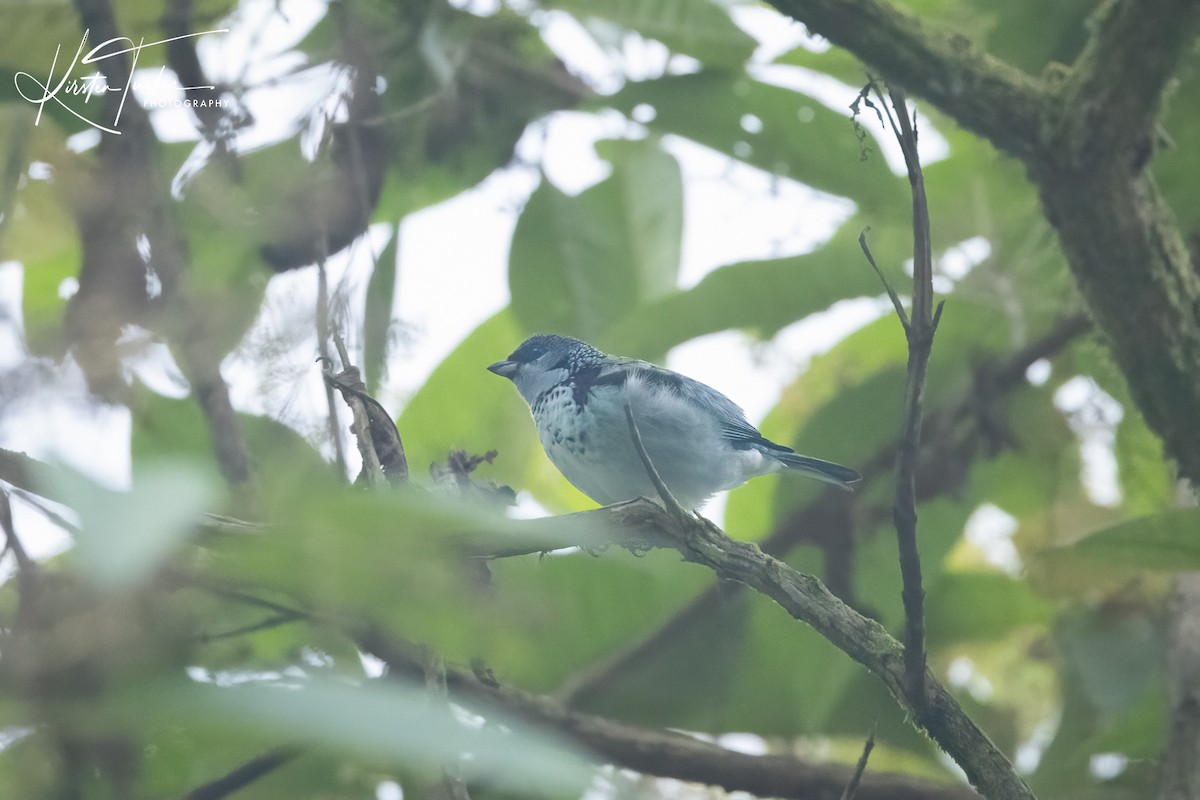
x=1089, y=138
x=642, y=523
x=658, y=752
x=1114, y=93
x=990, y=96
x=1179, y=772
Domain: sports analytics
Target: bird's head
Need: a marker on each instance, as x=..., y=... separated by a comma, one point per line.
x=543, y=361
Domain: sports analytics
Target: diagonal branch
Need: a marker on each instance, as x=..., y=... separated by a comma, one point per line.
x=1116, y=86
x=989, y=96
x=955, y=444
x=643, y=523
x=244, y=775
x=1122, y=243
x=661, y=753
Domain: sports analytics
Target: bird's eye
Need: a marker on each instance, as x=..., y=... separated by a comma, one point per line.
x=528, y=353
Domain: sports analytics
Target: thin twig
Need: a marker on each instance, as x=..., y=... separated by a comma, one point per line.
x=861, y=767
x=372, y=468
x=244, y=775
x=895, y=298
x=335, y=430
x=919, y=330
x=11, y=542
x=267, y=624
x=664, y=493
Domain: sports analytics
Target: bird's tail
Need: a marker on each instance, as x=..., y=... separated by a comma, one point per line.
x=825, y=471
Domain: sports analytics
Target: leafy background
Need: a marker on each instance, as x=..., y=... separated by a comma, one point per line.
x=1047, y=518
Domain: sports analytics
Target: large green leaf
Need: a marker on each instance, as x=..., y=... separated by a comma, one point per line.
x=580, y=263
x=700, y=28
x=124, y=536
x=1166, y=540
x=979, y=606
x=377, y=316
x=766, y=296
x=392, y=722
x=779, y=130
x=463, y=406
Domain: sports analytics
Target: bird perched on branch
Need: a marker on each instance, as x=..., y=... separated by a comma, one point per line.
x=698, y=440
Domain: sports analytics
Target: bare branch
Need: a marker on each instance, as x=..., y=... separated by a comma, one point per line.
x=323, y=331
x=891, y=293
x=859, y=768
x=919, y=332
x=661, y=753
x=244, y=775
x=11, y=542
x=989, y=96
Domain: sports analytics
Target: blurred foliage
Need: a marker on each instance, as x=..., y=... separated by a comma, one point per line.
x=158, y=655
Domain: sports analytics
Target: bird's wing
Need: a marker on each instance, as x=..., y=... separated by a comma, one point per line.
x=731, y=420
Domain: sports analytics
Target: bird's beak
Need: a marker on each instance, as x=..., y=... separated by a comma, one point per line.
x=505, y=369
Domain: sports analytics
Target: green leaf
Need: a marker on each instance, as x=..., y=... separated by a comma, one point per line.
x=1115, y=656
x=165, y=427
x=463, y=406
x=124, y=536
x=795, y=135
x=700, y=28
x=389, y=722
x=1168, y=540
x=770, y=294
x=377, y=318
x=578, y=264
x=975, y=606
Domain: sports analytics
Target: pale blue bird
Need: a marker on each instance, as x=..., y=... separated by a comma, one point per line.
x=697, y=438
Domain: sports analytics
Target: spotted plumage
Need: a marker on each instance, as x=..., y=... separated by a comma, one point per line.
x=697, y=438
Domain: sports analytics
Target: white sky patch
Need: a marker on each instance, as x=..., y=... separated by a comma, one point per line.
x=564, y=145
x=60, y=422
x=752, y=373
x=1093, y=415
x=748, y=743
x=148, y=358
x=735, y=212
x=12, y=345
x=990, y=529
x=388, y=790
x=832, y=93
x=447, y=284
x=1039, y=372
x=1106, y=766
x=41, y=171
x=1029, y=753
x=83, y=141
x=776, y=33
x=579, y=50
x=962, y=674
